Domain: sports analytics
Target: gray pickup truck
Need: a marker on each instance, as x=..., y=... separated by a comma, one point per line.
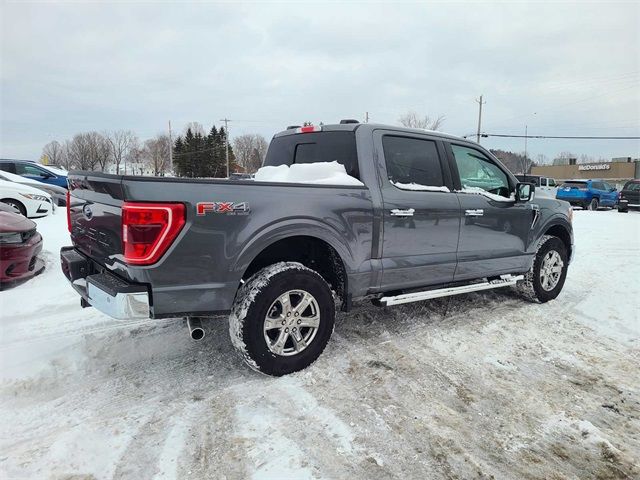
x=435, y=215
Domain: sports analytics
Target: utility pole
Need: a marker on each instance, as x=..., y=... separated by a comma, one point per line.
x=226, y=140
x=525, y=150
x=480, y=102
x=170, y=149
x=366, y=117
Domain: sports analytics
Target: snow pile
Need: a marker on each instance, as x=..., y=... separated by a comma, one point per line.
x=324, y=173
x=492, y=196
x=420, y=188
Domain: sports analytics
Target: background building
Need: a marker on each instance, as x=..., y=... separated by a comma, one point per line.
x=618, y=171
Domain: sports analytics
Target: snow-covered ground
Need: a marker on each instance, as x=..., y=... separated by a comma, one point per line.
x=476, y=386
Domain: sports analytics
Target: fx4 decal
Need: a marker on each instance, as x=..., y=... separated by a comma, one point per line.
x=228, y=208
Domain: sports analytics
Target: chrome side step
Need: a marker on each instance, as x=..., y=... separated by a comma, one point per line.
x=503, y=281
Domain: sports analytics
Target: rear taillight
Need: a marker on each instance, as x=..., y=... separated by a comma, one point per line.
x=69, y=211
x=148, y=229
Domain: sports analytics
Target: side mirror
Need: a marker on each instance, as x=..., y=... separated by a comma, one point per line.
x=524, y=192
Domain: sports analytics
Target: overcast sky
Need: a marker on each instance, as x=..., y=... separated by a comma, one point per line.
x=560, y=68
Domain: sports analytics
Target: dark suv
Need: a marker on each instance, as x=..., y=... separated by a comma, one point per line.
x=629, y=196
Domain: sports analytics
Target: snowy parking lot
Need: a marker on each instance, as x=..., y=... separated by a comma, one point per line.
x=477, y=386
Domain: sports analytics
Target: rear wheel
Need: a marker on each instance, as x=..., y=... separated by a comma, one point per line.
x=594, y=204
x=546, y=278
x=282, y=319
x=16, y=204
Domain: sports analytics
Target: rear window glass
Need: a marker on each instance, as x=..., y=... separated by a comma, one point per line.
x=575, y=184
x=315, y=147
x=633, y=186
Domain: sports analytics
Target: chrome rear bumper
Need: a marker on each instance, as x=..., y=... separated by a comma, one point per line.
x=121, y=305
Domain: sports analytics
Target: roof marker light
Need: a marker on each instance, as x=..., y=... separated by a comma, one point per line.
x=309, y=129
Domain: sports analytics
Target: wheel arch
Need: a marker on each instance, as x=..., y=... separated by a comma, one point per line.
x=317, y=248
x=562, y=232
x=14, y=200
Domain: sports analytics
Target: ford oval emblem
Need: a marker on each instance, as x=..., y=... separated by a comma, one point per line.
x=87, y=211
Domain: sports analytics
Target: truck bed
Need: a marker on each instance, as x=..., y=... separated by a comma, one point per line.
x=210, y=255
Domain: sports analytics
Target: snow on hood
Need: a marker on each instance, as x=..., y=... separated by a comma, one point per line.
x=324, y=173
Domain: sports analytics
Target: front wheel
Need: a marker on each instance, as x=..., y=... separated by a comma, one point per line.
x=282, y=318
x=547, y=275
x=17, y=205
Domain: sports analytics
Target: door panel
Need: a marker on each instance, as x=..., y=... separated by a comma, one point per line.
x=420, y=228
x=495, y=241
x=494, y=229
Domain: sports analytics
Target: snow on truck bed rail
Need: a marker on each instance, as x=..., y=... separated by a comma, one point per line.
x=324, y=173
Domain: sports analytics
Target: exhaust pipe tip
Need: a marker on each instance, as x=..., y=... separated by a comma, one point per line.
x=195, y=328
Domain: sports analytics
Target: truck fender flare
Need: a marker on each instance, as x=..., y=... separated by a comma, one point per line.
x=556, y=221
x=286, y=229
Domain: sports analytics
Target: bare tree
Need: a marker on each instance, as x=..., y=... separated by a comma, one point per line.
x=541, y=159
x=412, y=120
x=54, y=151
x=196, y=128
x=584, y=158
x=101, y=149
x=564, y=158
x=121, y=142
x=250, y=150
x=156, y=154
x=79, y=152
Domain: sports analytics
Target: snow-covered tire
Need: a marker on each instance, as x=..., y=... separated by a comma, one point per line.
x=532, y=286
x=259, y=306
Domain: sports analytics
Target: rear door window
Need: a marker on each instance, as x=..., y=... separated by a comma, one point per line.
x=315, y=147
x=412, y=161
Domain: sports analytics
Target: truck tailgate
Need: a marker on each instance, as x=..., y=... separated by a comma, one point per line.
x=95, y=211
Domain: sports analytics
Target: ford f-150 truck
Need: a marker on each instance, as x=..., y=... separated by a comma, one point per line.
x=432, y=215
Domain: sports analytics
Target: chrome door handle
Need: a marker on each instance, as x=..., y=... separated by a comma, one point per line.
x=397, y=212
x=474, y=213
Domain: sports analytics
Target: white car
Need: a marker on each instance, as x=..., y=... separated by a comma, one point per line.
x=30, y=201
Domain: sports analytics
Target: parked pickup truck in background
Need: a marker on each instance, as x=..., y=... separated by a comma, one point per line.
x=545, y=184
x=588, y=194
x=429, y=215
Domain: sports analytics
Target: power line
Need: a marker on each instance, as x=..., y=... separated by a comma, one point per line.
x=574, y=137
